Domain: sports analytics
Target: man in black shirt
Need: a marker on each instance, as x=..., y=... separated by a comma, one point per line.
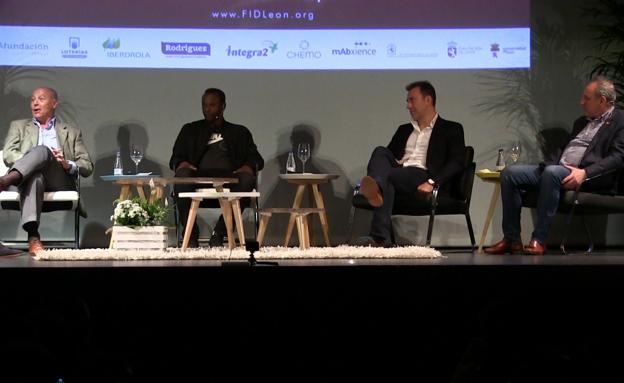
x=213, y=147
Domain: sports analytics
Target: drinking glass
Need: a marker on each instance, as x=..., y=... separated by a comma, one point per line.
x=136, y=155
x=291, y=167
x=514, y=153
x=303, y=152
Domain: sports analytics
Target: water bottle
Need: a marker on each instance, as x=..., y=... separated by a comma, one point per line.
x=500, y=161
x=118, y=169
x=290, y=163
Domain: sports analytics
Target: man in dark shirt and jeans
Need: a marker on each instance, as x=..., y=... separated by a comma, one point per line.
x=213, y=147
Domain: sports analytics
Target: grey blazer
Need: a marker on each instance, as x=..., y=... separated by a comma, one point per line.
x=23, y=135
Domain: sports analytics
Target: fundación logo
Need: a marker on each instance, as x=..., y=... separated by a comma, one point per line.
x=304, y=52
x=269, y=48
x=34, y=49
x=359, y=48
x=74, y=51
x=184, y=49
x=111, y=47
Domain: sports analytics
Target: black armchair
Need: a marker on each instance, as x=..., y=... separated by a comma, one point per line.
x=416, y=204
x=584, y=203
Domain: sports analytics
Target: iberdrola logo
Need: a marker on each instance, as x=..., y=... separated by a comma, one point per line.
x=111, y=43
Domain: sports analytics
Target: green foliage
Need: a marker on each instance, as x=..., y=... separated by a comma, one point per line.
x=609, y=28
x=138, y=212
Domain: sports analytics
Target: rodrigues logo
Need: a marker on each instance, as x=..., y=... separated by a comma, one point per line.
x=270, y=48
x=185, y=49
x=74, y=51
x=360, y=48
x=304, y=52
x=111, y=45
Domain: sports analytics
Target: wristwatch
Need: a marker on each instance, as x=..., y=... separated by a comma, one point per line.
x=431, y=182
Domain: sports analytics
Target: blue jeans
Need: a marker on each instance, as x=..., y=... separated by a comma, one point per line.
x=518, y=178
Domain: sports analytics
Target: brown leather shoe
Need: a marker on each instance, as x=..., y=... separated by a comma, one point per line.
x=34, y=246
x=370, y=190
x=535, y=248
x=502, y=247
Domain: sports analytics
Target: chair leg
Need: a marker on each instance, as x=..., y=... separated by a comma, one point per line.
x=470, y=231
x=76, y=228
x=350, y=225
x=256, y=218
x=566, y=230
x=589, y=236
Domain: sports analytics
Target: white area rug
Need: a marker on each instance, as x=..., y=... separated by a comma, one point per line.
x=340, y=252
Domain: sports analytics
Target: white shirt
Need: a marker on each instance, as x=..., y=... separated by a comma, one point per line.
x=417, y=145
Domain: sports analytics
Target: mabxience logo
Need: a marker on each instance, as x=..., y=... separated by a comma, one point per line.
x=111, y=47
x=185, y=49
x=74, y=51
x=270, y=48
x=304, y=52
x=359, y=48
x=111, y=43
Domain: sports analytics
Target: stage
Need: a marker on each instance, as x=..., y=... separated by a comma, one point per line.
x=459, y=318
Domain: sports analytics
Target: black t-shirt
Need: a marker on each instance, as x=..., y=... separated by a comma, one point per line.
x=216, y=158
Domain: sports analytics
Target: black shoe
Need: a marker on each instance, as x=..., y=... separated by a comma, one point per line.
x=216, y=239
x=372, y=242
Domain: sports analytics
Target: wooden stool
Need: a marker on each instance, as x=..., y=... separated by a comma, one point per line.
x=300, y=215
x=230, y=206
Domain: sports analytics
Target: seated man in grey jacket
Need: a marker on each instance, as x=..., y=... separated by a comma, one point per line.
x=43, y=154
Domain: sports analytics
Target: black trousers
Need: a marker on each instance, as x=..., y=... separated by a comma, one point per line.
x=391, y=178
x=246, y=183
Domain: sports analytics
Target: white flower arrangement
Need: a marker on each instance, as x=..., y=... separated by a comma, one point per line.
x=138, y=212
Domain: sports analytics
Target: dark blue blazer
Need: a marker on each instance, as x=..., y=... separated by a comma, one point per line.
x=445, y=153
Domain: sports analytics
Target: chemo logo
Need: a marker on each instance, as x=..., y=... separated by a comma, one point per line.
x=495, y=48
x=304, y=52
x=111, y=43
x=451, y=49
x=74, y=51
x=270, y=48
x=172, y=49
x=111, y=47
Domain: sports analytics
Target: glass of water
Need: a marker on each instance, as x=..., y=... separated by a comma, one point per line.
x=136, y=155
x=303, y=152
x=291, y=167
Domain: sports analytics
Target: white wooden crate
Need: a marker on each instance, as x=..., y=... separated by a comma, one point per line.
x=140, y=238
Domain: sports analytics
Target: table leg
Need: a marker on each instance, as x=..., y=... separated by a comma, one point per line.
x=125, y=192
x=226, y=210
x=296, y=205
x=488, y=217
x=318, y=197
x=264, y=222
x=141, y=192
x=238, y=218
x=190, y=222
x=300, y=231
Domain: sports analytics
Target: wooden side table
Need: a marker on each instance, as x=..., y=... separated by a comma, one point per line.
x=491, y=177
x=230, y=208
x=301, y=180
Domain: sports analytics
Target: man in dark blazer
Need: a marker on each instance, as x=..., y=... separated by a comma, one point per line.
x=213, y=147
x=596, y=147
x=426, y=152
